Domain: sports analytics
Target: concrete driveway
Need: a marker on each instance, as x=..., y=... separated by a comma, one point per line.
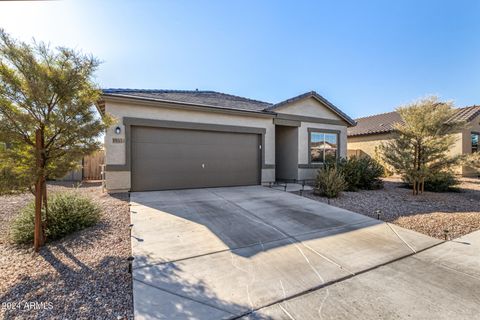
x=225, y=253
x=439, y=283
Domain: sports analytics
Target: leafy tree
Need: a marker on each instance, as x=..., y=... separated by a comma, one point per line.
x=47, y=116
x=421, y=143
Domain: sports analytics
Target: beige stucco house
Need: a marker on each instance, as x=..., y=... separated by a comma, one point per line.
x=371, y=131
x=171, y=139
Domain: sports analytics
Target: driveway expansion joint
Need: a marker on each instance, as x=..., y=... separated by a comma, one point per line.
x=399, y=237
x=210, y=253
x=332, y=282
x=295, y=237
x=262, y=243
x=264, y=216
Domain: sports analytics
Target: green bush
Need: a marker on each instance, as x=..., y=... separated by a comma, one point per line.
x=329, y=182
x=67, y=212
x=361, y=173
x=441, y=182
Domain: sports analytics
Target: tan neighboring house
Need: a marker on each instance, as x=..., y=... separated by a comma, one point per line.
x=371, y=131
x=173, y=139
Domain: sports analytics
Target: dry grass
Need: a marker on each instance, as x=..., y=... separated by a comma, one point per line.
x=84, y=275
x=430, y=213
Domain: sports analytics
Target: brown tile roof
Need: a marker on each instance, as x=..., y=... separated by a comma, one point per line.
x=385, y=122
x=380, y=123
x=467, y=113
x=217, y=100
x=196, y=97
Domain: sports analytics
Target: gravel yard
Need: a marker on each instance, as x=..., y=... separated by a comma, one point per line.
x=429, y=213
x=84, y=275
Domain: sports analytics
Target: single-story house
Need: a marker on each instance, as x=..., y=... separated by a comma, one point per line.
x=371, y=131
x=172, y=139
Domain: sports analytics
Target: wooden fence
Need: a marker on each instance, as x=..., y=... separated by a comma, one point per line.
x=92, y=169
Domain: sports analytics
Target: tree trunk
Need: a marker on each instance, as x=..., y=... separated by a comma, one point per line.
x=45, y=207
x=418, y=168
x=420, y=180
x=44, y=185
x=38, y=233
x=415, y=168
x=38, y=230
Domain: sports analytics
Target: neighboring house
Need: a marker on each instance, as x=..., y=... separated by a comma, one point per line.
x=370, y=132
x=171, y=139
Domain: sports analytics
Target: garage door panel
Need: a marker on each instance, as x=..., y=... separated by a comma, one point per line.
x=187, y=153
x=179, y=136
x=165, y=158
x=151, y=152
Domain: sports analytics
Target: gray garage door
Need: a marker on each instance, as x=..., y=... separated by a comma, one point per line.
x=164, y=158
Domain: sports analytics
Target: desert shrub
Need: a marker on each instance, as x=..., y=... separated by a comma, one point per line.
x=360, y=173
x=330, y=182
x=67, y=212
x=442, y=181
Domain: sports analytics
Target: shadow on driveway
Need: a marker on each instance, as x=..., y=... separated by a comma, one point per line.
x=224, y=252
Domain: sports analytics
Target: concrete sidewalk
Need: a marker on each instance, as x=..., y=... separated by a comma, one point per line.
x=440, y=283
x=225, y=252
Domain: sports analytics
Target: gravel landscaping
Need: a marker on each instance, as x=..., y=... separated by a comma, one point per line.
x=84, y=275
x=429, y=213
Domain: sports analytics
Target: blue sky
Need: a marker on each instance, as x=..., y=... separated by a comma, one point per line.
x=366, y=57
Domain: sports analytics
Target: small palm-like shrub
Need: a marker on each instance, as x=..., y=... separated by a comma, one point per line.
x=67, y=212
x=330, y=182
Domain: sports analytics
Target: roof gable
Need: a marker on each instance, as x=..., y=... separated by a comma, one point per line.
x=311, y=104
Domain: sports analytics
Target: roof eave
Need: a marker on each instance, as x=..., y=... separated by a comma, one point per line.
x=369, y=133
x=100, y=105
x=196, y=106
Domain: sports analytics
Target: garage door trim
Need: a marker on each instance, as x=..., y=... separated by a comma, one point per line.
x=129, y=122
x=172, y=158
